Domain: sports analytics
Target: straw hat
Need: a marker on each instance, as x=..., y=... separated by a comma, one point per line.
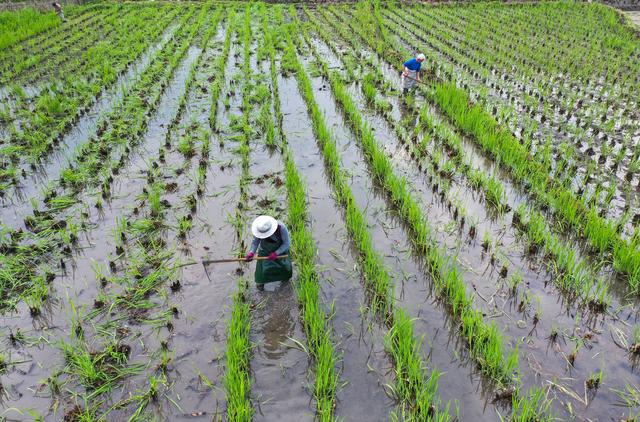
x=264, y=226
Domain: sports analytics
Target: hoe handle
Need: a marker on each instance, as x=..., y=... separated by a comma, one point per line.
x=220, y=261
x=257, y=258
x=414, y=79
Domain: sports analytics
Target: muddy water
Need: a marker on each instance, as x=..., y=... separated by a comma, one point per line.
x=281, y=388
x=77, y=285
x=552, y=311
x=199, y=342
x=12, y=212
x=365, y=365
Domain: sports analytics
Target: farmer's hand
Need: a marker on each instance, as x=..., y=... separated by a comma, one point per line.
x=272, y=256
x=249, y=256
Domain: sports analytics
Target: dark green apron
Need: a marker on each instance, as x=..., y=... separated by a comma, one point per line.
x=268, y=271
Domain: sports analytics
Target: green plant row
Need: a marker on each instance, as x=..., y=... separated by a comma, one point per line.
x=218, y=83
x=416, y=390
x=238, y=354
x=314, y=318
x=237, y=378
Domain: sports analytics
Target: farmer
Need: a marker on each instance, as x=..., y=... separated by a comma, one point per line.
x=411, y=73
x=270, y=239
x=59, y=12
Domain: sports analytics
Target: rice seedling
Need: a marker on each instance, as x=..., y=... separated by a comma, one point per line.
x=595, y=380
x=237, y=380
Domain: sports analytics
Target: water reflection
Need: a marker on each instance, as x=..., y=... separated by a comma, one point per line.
x=274, y=319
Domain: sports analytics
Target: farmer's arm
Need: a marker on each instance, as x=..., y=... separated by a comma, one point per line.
x=407, y=65
x=286, y=242
x=254, y=244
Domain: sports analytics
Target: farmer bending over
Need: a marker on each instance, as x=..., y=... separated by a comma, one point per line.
x=411, y=73
x=270, y=239
x=59, y=12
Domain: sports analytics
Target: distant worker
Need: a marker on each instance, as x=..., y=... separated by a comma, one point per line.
x=411, y=73
x=58, y=8
x=271, y=240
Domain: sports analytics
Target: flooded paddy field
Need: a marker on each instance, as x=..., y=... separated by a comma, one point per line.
x=466, y=250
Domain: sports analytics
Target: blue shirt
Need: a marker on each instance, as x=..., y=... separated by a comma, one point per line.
x=413, y=64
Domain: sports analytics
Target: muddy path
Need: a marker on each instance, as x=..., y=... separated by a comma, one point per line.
x=281, y=386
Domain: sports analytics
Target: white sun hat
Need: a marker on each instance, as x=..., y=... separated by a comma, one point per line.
x=421, y=57
x=264, y=226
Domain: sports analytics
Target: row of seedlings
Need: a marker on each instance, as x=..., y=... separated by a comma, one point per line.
x=237, y=379
x=484, y=340
x=416, y=390
x=315, y=320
